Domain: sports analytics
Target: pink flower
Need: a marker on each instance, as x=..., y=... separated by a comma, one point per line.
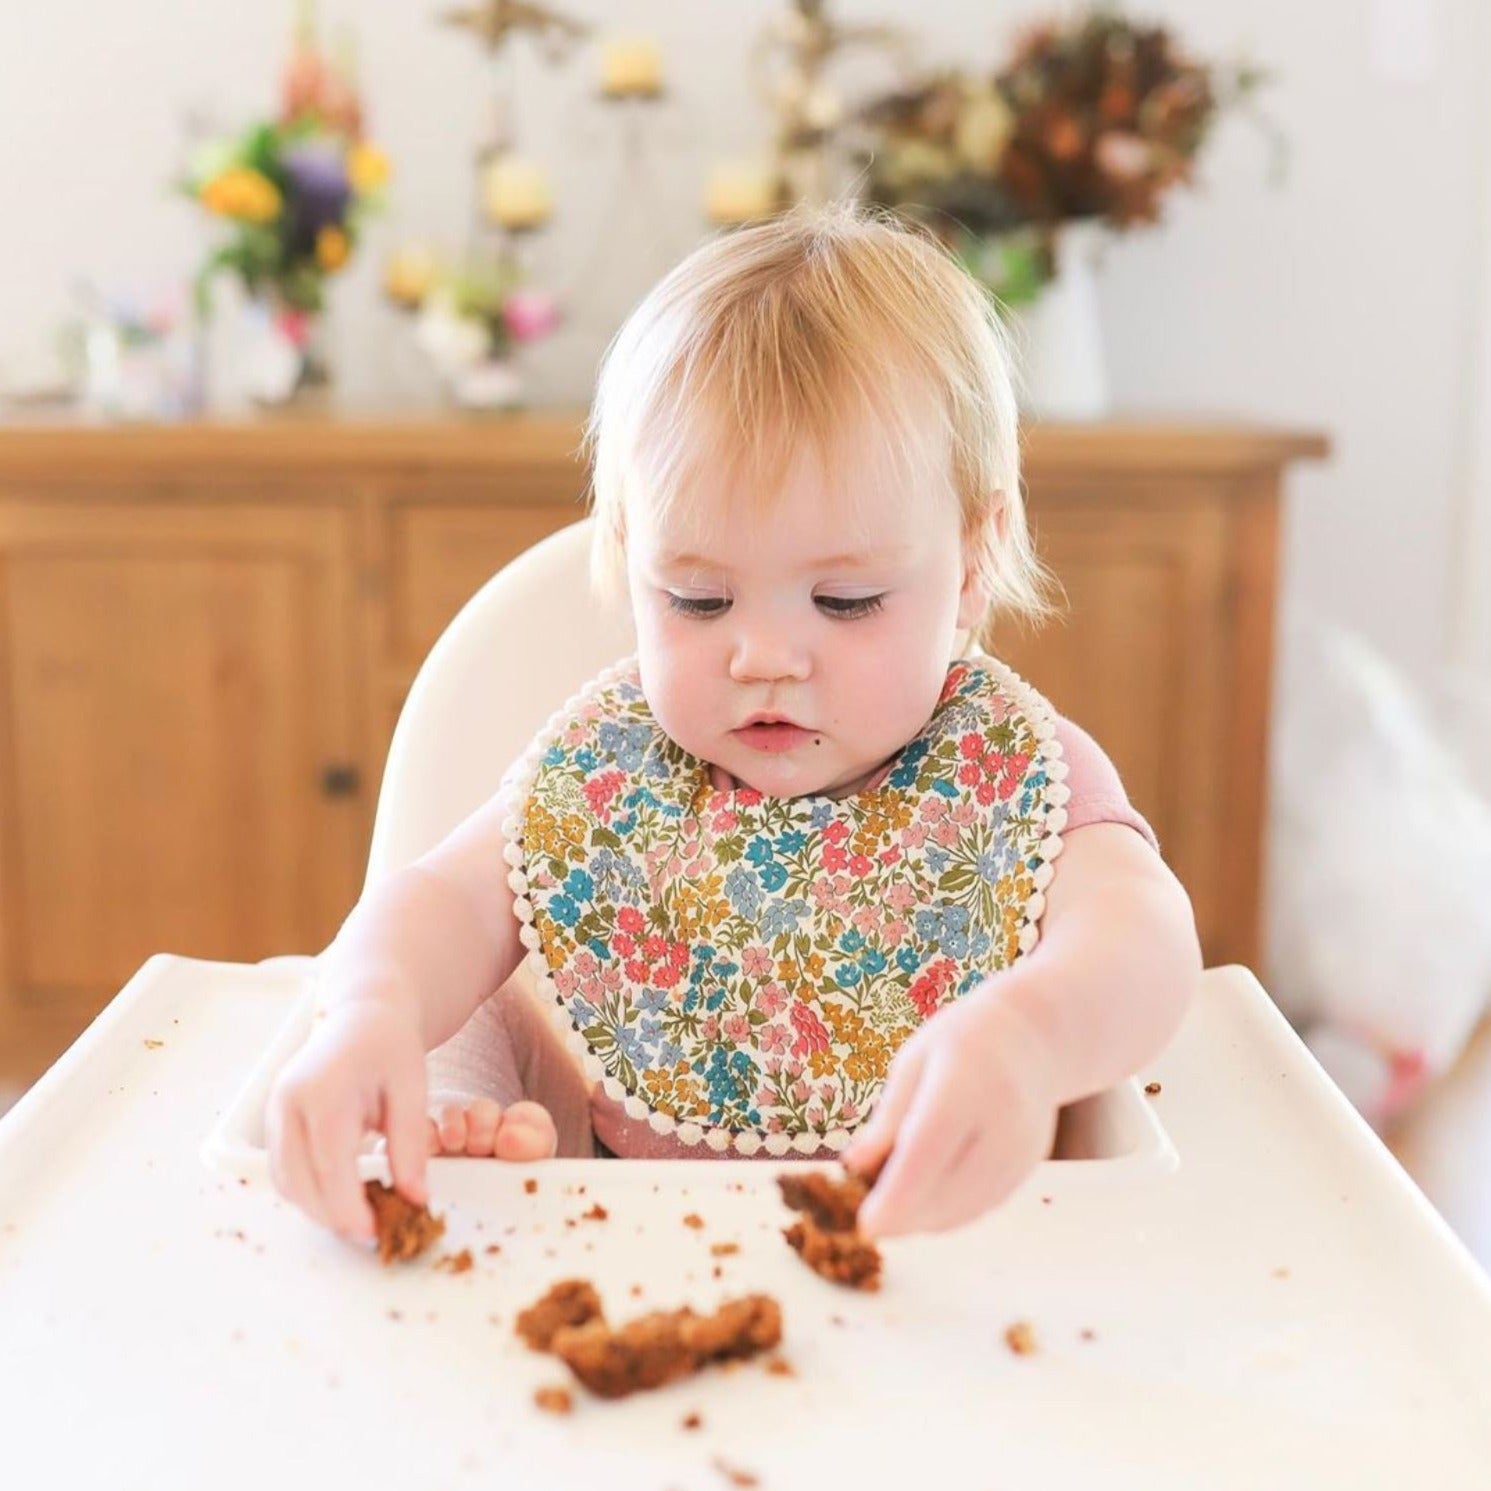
x=800, y=1091
x=933, y=810
x=894, y=931
x=565, y=981
x=860, y=865
x=773, y=1038
x=530, y=315
x=848, y=1113
x=836, y=832
x=946, y=834
x=738, y=1028
x=629, y=919
x=972, y=746
x=815, y=1117
x=914, y=836
x=710, y=1029
x=899, y=897
x=722, y=823
x=890, y=856
x=623, y=946
x=962, y=814
x=585, y=964
x=756, y=961
x=771, y=999
x=765, y=1097
x=866, y=921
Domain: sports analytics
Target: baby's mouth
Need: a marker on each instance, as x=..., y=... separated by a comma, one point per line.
x=773, y=735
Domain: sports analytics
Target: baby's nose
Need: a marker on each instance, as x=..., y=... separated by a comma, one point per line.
x=768, y=654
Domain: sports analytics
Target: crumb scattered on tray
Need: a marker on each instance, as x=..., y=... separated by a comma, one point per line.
x=404, y=1230
x=153, y=1045
x=554, y=1399
x=669, y=1344
x=723, y=1250
x=1020, y=1338
x=693, y=1220
x=1152, y=1088
x=455, y=1263
x=693, y=1421
x=1281, y=1273
x=833, y=1203
x=530, y=1185
x=1089, y=1335
x=735, y=1475
x=779, y=1366
x=597, y=1213
x=492, y=1249
x=570, y=1303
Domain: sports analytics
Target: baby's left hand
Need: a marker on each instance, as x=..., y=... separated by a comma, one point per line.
x=968, y=1111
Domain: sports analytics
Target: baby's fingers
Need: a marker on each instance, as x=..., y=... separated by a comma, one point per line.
x=334, y=1138
x=450, y=1125
x=930, y=1141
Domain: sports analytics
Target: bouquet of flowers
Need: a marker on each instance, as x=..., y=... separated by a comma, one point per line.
x=1095, y=120
x=293, y=192
x=471, y=319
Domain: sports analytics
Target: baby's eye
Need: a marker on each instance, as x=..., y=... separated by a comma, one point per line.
x=846, y=607
x=689, y=605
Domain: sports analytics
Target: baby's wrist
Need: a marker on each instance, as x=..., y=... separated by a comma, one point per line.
x=1022, y=1039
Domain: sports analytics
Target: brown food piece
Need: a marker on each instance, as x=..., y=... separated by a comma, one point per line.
x=693, y=1421
x=827, y=1237
x=1020, y=1338
x=554, y=1399
x=832, y=1204
x=779, y=1366
x=530, y=1185
x=1152, y=1088
x=662, y=1347
x=570, y=1303
x=735, y=1475
x=693, y=1220
x=404, y=1230
x=597, y=1213
x=840, y=1257
x=723, y=1250
x=455, y=1263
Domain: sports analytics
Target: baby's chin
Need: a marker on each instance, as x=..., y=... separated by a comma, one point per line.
x=794, y=774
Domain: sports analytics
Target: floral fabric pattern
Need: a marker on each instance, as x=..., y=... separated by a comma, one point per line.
x=751, y=964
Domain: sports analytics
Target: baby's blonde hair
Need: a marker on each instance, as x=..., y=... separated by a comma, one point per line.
x=798, y=330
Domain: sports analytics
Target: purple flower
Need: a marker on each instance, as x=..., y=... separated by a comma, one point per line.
x=318, y=193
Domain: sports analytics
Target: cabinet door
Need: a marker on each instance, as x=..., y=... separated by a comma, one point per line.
x=1140, y=660
x=176, y=729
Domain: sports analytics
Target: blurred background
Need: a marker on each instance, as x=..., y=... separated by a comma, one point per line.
x=300, y=308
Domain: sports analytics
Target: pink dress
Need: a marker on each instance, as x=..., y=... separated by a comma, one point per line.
x=509, y=1049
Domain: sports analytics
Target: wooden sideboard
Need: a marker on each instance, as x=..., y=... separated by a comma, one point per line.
x=206, y=634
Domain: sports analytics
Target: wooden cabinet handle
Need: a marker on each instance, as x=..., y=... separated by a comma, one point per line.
x=339, y=779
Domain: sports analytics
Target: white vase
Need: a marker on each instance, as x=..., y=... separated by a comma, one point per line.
x=1061, y=334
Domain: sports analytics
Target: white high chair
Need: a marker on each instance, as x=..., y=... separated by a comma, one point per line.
x=521, y=646
x=1241, y=1290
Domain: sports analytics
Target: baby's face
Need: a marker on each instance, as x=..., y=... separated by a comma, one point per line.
x=800, y=646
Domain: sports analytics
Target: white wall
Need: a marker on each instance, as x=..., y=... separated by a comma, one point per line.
x=1351, y=298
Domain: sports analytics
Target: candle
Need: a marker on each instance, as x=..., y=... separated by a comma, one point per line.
x=631, y=68
x=516, y=193
x=741, y=192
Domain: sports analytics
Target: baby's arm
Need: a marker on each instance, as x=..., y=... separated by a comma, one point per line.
x=419, y=952
x=971, y=1102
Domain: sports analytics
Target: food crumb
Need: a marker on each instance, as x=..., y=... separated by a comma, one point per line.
x=530, y=1185
x=1281, y=1273
x=1020, y=1338
x=719, y=1273
x=597, y=1213
x=1152, y=1088
x=1089, y=1335
x=395, y=1315
x=693, y=1421
x=723, y=1250
x=554, y=1399
x=455, y=1263
x=153, y=1045
x=779, y=1366
x=734, y=1475
x=1045, y=1201
x=693, y=1220
x=492, y=1249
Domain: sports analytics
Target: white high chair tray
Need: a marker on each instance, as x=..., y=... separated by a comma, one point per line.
x=1279, y=1307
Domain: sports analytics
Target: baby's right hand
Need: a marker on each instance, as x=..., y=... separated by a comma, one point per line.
x=362, y=1069
x=525, y=1131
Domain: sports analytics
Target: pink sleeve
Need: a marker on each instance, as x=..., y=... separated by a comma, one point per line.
x=1097, y=793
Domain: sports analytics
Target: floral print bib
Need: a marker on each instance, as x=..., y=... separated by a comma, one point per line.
x=740, y=969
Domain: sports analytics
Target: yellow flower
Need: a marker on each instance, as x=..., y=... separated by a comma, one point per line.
x=242, y=193
x=367, y=169
x=332, y=249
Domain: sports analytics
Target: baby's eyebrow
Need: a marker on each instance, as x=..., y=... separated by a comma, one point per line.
x=862, y=559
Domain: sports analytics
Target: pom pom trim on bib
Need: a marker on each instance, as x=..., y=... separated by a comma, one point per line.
x=517, y=789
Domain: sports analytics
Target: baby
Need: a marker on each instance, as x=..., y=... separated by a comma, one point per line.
x=781, y=875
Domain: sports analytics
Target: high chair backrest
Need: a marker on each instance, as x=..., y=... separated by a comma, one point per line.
x=516, y=651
